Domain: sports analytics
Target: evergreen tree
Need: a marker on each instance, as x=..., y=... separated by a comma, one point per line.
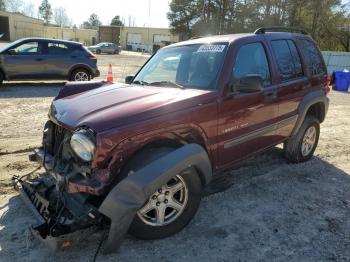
x=45, y=11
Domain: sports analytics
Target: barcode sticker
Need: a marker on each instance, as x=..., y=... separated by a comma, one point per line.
x=211, y=49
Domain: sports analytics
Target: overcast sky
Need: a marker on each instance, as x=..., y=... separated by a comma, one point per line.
x=80, y=10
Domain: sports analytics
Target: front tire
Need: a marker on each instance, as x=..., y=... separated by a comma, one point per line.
x=302, y=146
x=171, y=207
x=98, y=51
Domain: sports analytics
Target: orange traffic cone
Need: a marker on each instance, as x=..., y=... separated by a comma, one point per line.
x=110, y=74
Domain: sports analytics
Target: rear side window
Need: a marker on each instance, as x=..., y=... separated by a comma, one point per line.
x=288, y=59
x=251, y=60
x=313, y=58
x=58, y=49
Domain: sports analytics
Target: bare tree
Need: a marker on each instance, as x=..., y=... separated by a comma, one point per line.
x=2, y=5
x=29, y=9
x=14, y=6
x=60, y=17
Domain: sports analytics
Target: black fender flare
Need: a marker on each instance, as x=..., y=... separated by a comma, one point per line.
x=309, y=100
x=129, y=195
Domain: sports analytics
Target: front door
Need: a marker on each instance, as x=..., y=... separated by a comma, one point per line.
x=247, y=120
x=25, y=61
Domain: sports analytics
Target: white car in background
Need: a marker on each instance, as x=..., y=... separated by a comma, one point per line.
x=108, y=48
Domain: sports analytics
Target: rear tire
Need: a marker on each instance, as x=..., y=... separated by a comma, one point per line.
x=301, y=147
x=1, y=79
x=80, y=75
x=146, y=225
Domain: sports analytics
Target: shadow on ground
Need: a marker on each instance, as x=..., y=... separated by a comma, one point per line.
x=30, y=89
x=267, y=210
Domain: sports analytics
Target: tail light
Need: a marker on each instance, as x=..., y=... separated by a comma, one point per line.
x=328, y=86
x=92, y=57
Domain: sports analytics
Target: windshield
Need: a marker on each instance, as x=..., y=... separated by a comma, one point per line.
x=193, y=66
x=11, y=45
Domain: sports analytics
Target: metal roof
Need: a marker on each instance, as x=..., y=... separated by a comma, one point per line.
x=336, y=61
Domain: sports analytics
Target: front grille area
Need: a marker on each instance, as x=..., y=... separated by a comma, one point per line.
x=54, y=136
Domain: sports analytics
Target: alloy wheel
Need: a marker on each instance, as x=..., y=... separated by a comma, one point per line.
x=309, y=141
x=81, y=76
x=166, y=204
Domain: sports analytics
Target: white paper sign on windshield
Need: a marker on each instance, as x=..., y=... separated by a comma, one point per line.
x=211, y=49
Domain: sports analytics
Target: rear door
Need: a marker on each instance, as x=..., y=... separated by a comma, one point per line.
x=25, y=61
x=293, y=83
x=247, y=120
x=57, y=60
x=110, y=48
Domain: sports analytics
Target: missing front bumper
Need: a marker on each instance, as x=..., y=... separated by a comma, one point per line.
x=74, y=222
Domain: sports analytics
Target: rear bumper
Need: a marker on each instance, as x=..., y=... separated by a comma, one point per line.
x=96, y=73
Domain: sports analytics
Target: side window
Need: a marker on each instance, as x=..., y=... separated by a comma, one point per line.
x=30, y=48
x=298, y=69
x=288, y=59
x=57, y=49
x=313, y=58
x=251, y=60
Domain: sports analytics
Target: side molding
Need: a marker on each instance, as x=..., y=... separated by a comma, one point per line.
x=127, y=197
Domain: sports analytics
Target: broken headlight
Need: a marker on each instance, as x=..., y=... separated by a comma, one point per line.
x=83, y=144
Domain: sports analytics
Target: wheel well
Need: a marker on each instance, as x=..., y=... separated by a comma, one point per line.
x=168, y=143
x=79, y=67
x=317, y=110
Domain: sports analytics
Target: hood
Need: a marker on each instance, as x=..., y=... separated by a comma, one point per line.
x=119, y=104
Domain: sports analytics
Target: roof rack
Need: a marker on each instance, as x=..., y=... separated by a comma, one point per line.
x=263, y=30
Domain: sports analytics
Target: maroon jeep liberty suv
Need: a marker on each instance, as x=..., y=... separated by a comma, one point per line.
x=136, y=156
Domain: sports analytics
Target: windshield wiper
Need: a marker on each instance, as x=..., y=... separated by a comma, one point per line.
x=161, y=83
x=143, y=83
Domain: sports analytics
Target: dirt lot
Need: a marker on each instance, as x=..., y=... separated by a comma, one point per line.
x=267, y=210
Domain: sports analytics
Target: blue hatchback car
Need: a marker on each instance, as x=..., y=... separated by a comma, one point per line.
x=39, y=58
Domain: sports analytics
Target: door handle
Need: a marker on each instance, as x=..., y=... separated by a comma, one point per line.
x=271, y=94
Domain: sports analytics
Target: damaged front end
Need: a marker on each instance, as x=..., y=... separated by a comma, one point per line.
x=68, y=198
x=60, y=196
x=59, y=214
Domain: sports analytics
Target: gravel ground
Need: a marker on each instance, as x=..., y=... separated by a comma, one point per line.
x=266, y=210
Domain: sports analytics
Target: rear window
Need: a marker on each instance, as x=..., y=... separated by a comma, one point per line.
x=288, y=59
x=313, y=58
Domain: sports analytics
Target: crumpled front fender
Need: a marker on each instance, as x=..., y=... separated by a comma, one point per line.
x=127, y=197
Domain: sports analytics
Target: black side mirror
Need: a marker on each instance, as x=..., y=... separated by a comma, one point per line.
x=248, y=84
x=12, y=52
x=129, y=79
